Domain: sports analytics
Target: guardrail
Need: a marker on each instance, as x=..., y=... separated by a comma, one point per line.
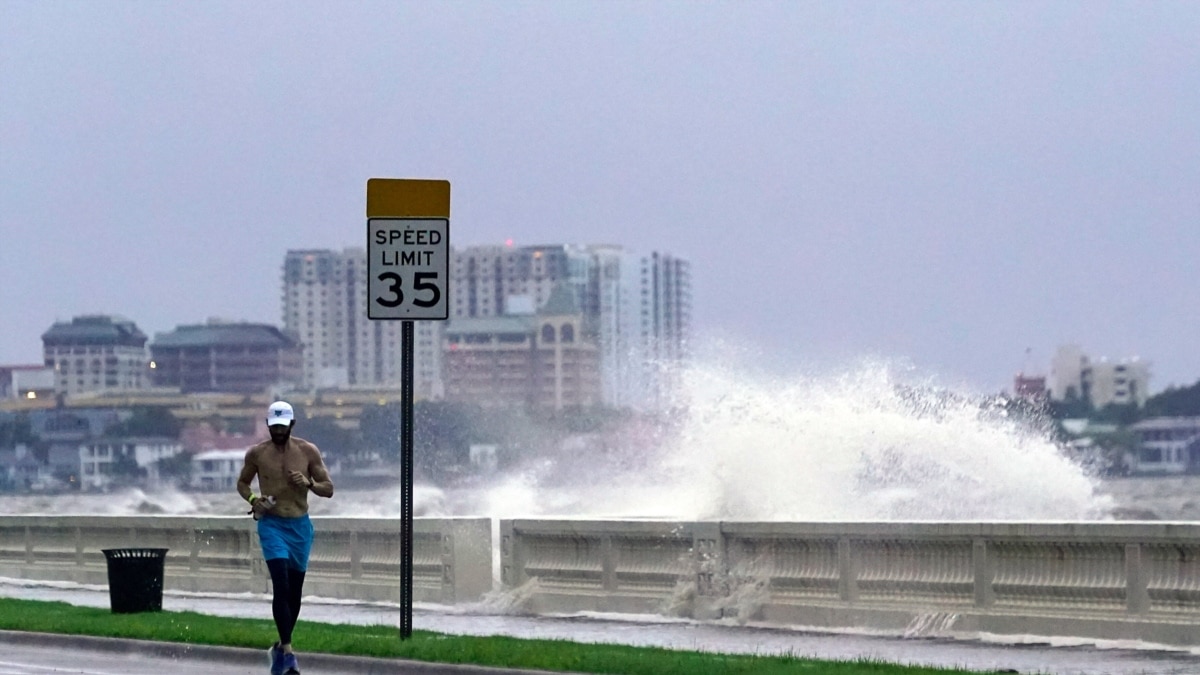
x=353, y=558
x=1097, y=580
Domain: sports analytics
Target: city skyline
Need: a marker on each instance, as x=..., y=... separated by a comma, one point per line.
x=631, y=313
x=941, y=187
x=1029, y=365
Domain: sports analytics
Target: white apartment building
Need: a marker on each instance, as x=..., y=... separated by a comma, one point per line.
x=1103, y=382
x=636, y=307
x=325, y=306
x=1122, y=382
x=1066, y=373
x=217, y=469
x=96, y=354
x=98, y=458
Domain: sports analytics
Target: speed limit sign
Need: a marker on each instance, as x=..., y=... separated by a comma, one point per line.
x=408, y=249
x=408, y=256
x=408, y=268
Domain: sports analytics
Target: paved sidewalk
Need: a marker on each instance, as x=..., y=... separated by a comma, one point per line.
x=1032, y=655
x=65, y=652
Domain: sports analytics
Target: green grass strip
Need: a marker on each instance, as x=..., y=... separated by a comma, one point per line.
x=384, y=641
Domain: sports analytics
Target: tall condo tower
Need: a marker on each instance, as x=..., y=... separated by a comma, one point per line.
x=636, y=308
x=325, y=307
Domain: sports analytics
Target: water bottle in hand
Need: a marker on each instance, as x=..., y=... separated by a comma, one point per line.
x=269, y=499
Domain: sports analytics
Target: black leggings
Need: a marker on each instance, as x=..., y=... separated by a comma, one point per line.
x=288, y=584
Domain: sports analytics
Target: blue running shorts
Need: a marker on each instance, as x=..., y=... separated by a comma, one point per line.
x=288, y=538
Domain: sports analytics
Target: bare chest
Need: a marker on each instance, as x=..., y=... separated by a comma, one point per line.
x=276, y=463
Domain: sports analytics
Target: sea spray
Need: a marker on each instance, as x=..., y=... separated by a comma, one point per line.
x=743, y=443
x=859, y=445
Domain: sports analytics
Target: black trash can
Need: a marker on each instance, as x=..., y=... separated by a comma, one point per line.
x=135, y=579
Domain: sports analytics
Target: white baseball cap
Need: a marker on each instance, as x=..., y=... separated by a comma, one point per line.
x=280, y=413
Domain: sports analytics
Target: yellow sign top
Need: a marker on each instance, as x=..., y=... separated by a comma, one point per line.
x=408, y=198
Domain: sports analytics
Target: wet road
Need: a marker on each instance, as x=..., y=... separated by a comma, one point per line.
x=1065, y=657
x=31, y=659
x=34, y=654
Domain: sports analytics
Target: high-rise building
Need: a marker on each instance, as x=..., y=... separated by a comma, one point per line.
x=96, y=354
x=635, y=307
x=484, y=280
x=661, y=321
x=325, y=307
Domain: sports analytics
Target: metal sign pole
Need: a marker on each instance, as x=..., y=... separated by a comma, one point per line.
x=408, y=275
x=406, y=468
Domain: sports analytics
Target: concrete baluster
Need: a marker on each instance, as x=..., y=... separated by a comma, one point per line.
x=1137, y=595
x=984, y=572
x=194, y=552
x=608, y=564
x=447, y=566
x=848, y=565
x=355, y=557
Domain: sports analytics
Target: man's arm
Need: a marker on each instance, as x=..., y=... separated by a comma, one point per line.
x=322, y=484
x=249, y=471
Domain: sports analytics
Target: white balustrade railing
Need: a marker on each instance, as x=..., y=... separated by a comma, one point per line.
x=353, y=558
x=1101, y=580
x=1098, y=580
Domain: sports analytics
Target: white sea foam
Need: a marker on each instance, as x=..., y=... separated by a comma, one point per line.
x=861, y=445
x=870, y=442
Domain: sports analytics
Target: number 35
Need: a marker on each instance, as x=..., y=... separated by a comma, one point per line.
x=421, y=282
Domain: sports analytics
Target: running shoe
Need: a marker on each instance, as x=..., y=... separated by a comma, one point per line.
x=275, y=656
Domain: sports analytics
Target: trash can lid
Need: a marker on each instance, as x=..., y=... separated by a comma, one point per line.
x=134, y=552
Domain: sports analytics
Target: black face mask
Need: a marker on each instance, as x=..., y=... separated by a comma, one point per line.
x=279, y=433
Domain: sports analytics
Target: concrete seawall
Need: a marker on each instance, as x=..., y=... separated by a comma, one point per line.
x=1097, y=580
x=1137, y=581
x=352, y=558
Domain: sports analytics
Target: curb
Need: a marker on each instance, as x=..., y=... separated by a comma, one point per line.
x=255, y=658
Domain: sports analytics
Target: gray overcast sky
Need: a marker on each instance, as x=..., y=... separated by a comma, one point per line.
x=941, y=183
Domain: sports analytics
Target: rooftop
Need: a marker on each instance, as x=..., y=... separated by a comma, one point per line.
x=1167, y=423
x=225, y=334
x=95, y=330
x=560, y=303
x=491, y=324
x=220, y=455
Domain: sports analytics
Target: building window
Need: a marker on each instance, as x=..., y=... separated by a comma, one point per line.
x=547, y=333
x=568, y=333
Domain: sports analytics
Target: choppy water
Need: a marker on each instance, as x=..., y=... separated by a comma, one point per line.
x=1173, y=498
x=868, y=443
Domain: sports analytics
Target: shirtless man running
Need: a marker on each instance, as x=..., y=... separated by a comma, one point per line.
x=288, y=468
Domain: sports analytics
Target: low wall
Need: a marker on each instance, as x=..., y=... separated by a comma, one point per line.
x=1097, y=580
x=352, y=558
